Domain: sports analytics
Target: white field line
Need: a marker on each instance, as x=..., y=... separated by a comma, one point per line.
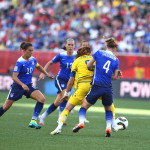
x=96, y=109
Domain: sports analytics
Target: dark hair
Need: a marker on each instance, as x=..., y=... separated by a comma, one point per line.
x=83, y=51
x=25, y=45
x=110, y=42
x=83, y=42
x=69, y=39
x=64, y=47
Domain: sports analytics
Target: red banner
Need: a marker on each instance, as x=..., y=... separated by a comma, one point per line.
x=127, y=63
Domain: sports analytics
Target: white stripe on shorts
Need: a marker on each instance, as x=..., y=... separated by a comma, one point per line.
x=9, y=92
x=58, y=84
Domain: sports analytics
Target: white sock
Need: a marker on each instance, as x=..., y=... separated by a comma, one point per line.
x=44, y=115
x=114, y=122
x=60, y=124
x=108, y=124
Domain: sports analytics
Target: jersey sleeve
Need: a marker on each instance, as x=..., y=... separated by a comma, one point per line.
x=17, y=67
x=35, y=61
x=95, y=55
x=117, y=64
x=74, y=66
x=56, y=58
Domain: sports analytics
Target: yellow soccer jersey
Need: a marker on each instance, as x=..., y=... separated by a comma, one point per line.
x=82, y=72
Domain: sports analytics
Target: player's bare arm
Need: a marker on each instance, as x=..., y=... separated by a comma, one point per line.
x=117, y=74
x=68, y=89
x=41, y=69
x=42, y=75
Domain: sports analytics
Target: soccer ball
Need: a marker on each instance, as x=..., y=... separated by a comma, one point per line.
x=122, y=123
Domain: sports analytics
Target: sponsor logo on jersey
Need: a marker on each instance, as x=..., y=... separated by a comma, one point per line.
x=32, y=62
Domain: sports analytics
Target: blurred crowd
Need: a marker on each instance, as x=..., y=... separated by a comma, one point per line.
x=48, y=23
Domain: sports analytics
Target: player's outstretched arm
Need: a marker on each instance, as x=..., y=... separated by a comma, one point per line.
x=68, y=89
x=41, y=69
x=117, y=74
x=42, y=75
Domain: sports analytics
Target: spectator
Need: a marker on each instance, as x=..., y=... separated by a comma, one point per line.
x=48, y=22
x=138, y=70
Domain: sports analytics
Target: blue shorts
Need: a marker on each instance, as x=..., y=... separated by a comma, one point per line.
x=16, y=92
x=98, y=91
x=60, y=84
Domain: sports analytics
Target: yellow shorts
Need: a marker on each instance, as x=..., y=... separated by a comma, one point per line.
x=80, y=92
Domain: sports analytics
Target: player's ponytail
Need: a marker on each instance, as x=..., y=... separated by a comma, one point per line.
x=24, y=45
x=111, y=42
x=83, y=51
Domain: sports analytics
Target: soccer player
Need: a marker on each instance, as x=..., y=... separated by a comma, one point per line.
x=66, y=59
x=107, y=64
x=85, y=43
x=22, y=85
x=82, y=76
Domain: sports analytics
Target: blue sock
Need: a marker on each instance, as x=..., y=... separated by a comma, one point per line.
x=109, y=118
x=109, y=115
x=49, y=110
x=82, y=115
x=62, y=106
x=38, y=108
x=1, y=111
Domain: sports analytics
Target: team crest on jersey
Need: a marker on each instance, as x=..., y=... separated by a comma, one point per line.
x=32, y=62
x=16, y=68
x=12, y=94
x=62, y=85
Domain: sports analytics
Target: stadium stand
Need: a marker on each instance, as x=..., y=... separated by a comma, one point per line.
x=47, y=23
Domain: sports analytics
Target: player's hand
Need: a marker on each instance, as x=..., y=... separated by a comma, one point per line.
x=25, y=87
x=41, y=77
x=51, y=76
x=119, y=74
x=65, y=97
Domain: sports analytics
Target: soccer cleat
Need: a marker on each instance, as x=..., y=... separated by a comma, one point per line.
x=33, y=124
x=41, y=122
x=108, y=133
x=86, y=121
x=55, y=132
x=65, y=123
x=78, y=127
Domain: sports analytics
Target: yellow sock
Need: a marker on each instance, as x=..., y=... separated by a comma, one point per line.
x=113, y=110
x=64, y=115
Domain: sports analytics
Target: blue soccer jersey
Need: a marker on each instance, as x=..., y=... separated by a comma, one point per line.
x=65, y=64
x=106, y=64
x=25, y=69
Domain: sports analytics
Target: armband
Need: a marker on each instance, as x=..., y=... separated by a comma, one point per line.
x=37, y=65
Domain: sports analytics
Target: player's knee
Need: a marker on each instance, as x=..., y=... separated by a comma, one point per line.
x=42, y=100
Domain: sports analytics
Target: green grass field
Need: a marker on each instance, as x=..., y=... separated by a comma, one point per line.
x=16, y=135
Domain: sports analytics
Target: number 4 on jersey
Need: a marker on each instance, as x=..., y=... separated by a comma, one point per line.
x=106, y=66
